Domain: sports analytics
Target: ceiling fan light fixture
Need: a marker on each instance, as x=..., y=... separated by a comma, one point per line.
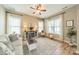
x=38, y=9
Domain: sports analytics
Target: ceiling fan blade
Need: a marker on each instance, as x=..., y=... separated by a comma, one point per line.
x=32, y=8
x=43, y=10
x=33, y=12
x=38, y=9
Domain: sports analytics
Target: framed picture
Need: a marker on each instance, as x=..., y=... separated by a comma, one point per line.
x=70, y=23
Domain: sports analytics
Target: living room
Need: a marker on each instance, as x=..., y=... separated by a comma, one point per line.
x=48, y=26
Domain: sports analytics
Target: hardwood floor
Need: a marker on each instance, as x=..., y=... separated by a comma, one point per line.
x=47, y=46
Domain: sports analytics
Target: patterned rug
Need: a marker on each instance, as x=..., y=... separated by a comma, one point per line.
x=46, y=46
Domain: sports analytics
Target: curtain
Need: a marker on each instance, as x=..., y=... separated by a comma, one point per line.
x=40, y=25
x=55, y=25
x=2, y=24
x=13, y=23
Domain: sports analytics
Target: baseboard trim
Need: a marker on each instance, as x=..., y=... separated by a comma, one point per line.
x=70, y=43
x=67, y=42
x=57, y=40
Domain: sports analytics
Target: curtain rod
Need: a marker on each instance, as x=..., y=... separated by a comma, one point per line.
x=14, y=13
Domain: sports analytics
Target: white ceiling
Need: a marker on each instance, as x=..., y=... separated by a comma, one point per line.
x=25, y=9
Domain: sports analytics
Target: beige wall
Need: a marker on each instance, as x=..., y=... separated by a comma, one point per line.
x=70, y=14
x=2, y=19
x=46, y=30
x=28, y=21
x=78, y=28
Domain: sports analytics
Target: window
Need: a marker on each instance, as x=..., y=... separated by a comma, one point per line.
x=50, y=26
x=55, y=25
x=14, y=23
x=2, y=24
x=40, y=26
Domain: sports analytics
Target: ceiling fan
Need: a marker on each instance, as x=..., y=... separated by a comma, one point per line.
x=38, y=8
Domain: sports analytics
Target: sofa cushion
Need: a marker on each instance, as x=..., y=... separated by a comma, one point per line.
x=4, y=38
x=10, y=46
x=13, y=37
x=1, y=51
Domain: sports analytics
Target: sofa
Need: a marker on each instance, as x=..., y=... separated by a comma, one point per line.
x=8, y=47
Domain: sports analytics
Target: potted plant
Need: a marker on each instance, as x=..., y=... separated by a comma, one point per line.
x=71, y=33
